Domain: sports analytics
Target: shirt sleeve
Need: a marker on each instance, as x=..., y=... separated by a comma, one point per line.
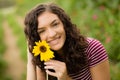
x=96, y=53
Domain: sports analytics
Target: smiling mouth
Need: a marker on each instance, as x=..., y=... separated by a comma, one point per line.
x=54, y=41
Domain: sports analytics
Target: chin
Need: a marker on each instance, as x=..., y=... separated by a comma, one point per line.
x=56, y=48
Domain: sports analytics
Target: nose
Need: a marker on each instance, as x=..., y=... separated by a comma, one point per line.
x=51, y=33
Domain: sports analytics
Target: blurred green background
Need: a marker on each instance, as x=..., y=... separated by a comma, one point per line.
x=99, y=19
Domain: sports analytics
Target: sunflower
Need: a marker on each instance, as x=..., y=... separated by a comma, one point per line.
x=43, y=49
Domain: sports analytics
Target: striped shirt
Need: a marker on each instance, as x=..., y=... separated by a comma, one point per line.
x=96, y=53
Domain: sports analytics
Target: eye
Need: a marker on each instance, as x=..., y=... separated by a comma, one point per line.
x=56, y=24
x=41, y=31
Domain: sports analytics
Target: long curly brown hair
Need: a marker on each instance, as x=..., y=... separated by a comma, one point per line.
x=75, y=44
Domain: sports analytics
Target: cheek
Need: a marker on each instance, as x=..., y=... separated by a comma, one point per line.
x=64, y=36
x=42, y=37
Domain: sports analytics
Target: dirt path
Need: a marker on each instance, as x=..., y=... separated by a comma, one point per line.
x=16, y=66
x=20, y=21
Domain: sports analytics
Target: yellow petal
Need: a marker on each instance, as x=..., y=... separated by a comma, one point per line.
x=36, y=54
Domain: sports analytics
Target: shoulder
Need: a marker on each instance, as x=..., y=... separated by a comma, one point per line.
x=92, y=43
x=95, y=51
x=92, y=40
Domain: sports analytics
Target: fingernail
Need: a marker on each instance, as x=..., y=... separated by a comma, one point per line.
x=45, y=67
x=44, y=63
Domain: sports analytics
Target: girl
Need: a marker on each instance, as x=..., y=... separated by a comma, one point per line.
x=76, y=57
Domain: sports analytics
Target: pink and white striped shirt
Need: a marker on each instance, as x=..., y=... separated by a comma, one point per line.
x=96, y=54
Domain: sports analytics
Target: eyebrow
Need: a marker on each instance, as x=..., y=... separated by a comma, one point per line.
x=53, y=21
x=50, y=23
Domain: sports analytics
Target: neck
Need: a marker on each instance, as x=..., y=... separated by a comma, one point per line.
x=60, y=52
x=60, y=55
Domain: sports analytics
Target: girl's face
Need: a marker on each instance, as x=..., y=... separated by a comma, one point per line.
x=51, y=29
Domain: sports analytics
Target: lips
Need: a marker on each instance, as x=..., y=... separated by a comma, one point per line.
x=54, y=41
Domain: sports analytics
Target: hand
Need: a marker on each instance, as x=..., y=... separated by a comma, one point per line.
x=59, y=68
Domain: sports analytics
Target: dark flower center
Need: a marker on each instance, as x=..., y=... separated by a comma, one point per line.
x=43, y=48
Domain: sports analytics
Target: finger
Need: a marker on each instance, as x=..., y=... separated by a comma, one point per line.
x=51, y=73
x=50, y=62
x=49, y=67
x=56, y=63
x=53, y=62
